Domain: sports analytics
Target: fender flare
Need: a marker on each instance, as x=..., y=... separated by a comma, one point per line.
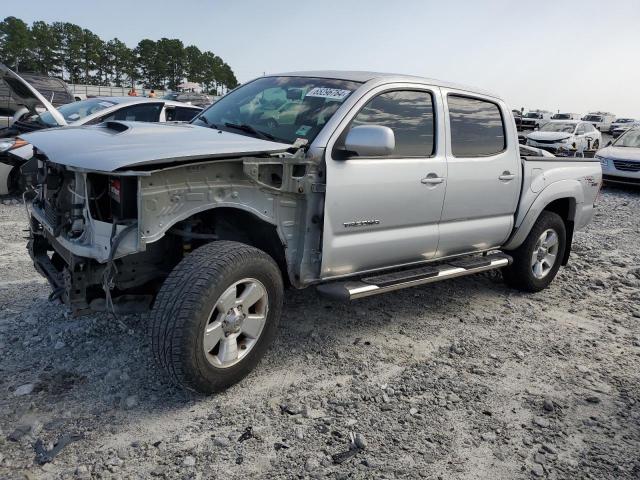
x=571, y=189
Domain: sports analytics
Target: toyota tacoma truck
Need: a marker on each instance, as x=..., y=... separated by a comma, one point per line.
x=380, y=182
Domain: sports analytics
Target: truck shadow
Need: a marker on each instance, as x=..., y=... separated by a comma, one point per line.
x=106, y=366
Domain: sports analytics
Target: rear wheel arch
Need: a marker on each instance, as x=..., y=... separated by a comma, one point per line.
x=566, y=209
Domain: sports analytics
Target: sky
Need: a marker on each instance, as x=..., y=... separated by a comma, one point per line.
x=567, y=55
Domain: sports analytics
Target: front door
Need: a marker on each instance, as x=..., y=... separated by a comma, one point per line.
x=384, y=211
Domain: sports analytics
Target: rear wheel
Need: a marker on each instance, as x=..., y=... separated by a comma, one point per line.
x=537, y=260
x=216, y=315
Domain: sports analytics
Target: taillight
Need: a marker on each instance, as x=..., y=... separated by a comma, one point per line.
x=114, y=189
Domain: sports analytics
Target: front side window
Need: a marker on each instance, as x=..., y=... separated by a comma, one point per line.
x=477, y=127
x=408, y=113
x=282, y=109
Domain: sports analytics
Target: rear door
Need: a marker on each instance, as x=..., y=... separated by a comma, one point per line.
x=384, y=211
x=484, y=174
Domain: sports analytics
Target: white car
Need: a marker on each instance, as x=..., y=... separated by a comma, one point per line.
x=601, y=120
x=619, y=130
x=534, y=119
x=14, y=153
x=565, y=116
x=620, y=161
x=621, y=122
x=527, y=151
x=559, y=136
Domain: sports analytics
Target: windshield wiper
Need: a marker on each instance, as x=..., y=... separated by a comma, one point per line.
x=203, y=119
x=249, y=129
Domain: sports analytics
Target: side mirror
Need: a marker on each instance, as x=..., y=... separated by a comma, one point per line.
x=370, y=141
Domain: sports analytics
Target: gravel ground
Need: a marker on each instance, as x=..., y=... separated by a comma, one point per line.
x=459, y=380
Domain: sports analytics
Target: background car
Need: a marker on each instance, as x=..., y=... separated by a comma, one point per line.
x=565, y=116
x=620, y=161
x=619, y=130
x=621, y=122
x=535, y=119
x=565, y=135
x=601, y=120
x=528, y=151
x=55, y=90
x=192, y=98
x=40, y=114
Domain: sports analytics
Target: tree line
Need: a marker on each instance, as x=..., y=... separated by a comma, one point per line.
x=80, y=56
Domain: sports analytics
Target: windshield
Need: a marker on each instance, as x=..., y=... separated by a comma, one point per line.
x=624, y=120
x=558, y=127
x=72, y=112
x=278, y=108
x=561, y=116
x=593, y=118
x=630, y=139
x=170, y=96
x=533, y=115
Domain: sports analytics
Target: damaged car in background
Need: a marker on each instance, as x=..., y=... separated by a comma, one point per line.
x=566, y=136
x=38, y=114
x=369, y=187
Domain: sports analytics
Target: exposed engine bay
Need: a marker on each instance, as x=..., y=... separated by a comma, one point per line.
x=106, y=241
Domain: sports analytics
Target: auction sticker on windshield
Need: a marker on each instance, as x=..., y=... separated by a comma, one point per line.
x=325, y=92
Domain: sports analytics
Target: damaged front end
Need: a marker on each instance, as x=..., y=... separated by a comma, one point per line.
x=107, y=240
x=81, y=225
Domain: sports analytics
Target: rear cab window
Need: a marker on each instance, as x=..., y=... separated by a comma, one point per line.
x=477, y=127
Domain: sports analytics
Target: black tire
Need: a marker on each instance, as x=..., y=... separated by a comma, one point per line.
x=520, y=274
x=185, y=301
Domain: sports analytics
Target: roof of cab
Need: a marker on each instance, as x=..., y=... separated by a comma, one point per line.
x=364, y=76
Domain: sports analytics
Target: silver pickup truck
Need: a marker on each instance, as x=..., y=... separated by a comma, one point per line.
x=359, y=183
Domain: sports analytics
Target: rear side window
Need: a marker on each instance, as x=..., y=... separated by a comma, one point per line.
x=409, y=114
x=149, y=112
x=477, y=127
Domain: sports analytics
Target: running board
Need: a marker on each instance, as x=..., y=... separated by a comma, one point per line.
x=365, y=287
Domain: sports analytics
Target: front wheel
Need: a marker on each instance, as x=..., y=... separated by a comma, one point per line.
x=537, y=260
x=216, y=315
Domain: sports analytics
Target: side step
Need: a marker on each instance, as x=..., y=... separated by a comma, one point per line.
x=367, y=286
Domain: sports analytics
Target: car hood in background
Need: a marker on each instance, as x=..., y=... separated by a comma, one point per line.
x=620, y=153
x=549, y=136
x=114, y=146
x=26, y=95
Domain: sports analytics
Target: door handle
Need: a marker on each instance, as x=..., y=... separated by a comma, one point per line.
x=506, y=176
x=432, y=179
